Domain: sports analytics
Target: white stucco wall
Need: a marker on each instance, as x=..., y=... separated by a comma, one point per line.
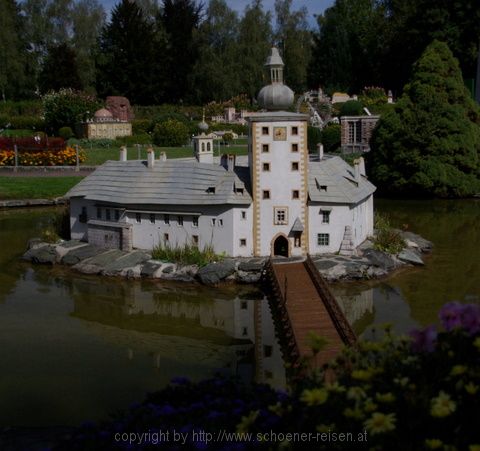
x=78, y=230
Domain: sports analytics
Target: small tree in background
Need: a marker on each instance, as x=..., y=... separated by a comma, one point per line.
x=331, y=138
x=351, y=108
x=227, y=138
x=67, y=107
x=429, y=143
x=170, y=133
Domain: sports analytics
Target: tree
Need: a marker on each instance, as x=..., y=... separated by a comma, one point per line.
x=127, y=61
x=254, y=42
x=179, y=19
x=12, y=50
x=88, y=18
x=60, y=70
x=294, y=39
x=170, y=133
x=216, y=73
x=429, y=144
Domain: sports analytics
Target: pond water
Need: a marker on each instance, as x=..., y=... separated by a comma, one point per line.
x=77, y=347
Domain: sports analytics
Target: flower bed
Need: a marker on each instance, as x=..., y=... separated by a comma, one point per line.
x=39, y=157
x=416, y=393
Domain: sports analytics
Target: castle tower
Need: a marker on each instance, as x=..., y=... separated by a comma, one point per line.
x=203, y=144
x=278, y=160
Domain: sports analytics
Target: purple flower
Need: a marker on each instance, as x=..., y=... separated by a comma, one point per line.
x=424, y=340
x=470, y=318
x=451, y=315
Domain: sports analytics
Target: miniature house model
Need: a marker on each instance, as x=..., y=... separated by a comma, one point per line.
x=278, y=201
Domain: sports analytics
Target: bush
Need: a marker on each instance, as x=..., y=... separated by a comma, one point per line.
x=352, y=108
x=141, y=126
x=68, y=107
x=314, y=136
x=65, y=133
x=331, y=135
x=386, y=239
x=132, y=140
x=170, y=133
x=378, y=389
x=23, y=123
x=188, y=254
x=103, y=143
x=32, y=108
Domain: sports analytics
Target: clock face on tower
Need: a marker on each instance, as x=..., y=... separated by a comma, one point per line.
x=279, y=133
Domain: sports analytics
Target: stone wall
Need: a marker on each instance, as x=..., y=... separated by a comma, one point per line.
x=110, y=235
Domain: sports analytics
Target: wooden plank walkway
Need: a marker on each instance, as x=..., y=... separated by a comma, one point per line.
x=310, y=308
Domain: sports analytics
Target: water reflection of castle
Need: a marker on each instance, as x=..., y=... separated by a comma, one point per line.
x=239, y=328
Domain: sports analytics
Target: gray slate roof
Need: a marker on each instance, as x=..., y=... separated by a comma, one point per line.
x=339, y=178
x=170, y=182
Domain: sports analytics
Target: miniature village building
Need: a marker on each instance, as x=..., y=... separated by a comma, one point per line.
x=278, y=201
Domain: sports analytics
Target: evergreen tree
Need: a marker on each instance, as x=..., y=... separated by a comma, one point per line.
x=12, y=50
x=254, y=43
x=216, y=74
x=429, y=144
x=60, y=70
x=294, y=39
x=127, y=60
x=179, y=19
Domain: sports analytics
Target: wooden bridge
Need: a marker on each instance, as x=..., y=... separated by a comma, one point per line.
x=305, y=306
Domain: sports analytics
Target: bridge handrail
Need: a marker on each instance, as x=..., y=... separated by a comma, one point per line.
x=336, y=313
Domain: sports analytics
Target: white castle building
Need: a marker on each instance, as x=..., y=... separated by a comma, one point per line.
x=278, y=201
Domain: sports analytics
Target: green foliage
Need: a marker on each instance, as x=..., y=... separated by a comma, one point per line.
x=227, y=137
x=372, y=96
x=170, y=133
x=188, y=254
x=351, y=108
x=68, y=107
x=429, y=144
x=386, y=239
x=22, y=123
x=89, y=143
x=21, y=108
x=141, y=126
x=314, y=136
x=144, y=138
x=65, y=133
x=331, y=138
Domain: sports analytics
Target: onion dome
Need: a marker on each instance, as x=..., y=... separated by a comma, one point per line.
x=276, y=95
x=203, y=126
x=103, y=113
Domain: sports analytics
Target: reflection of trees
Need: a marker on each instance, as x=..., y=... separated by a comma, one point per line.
x=452, y=271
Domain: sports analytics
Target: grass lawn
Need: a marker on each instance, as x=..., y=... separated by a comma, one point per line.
x=35, y=187
x=98, y=155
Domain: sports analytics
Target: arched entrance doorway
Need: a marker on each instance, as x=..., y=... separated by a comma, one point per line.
x=280, y=246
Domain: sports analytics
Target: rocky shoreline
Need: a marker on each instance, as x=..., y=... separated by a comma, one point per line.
x=369, y=263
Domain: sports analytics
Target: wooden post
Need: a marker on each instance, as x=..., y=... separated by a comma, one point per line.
x=15, y=148
x=77, y=156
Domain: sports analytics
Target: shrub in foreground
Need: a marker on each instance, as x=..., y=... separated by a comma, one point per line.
x=416, y=393
x=188, y=254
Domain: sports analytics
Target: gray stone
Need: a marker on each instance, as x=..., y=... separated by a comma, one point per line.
x=81, y=253
x=380, y=259
x=95, y=265
x=422, y=243
x=248, y=276
x=325, y=264
x=44, y=255
x=355, y=271
x=367, y=244
x=373, y=272
x=71, y=243
x=128, y=261
x=411, y=256
x=168, y=268
x=151, y=268
x=252, y=265
x=215, y=272
x=35, y=242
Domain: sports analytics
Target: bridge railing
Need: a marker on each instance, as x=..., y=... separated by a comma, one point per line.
x=336, y=313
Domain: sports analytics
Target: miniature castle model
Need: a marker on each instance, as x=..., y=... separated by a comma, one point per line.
x=277, y=201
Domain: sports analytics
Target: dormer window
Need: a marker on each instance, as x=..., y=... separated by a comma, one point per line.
x=211, y=190
x=323, y=188
x=239, y=191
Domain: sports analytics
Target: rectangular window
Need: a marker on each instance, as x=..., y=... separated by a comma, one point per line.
x=294, y=147
x=195, y=221
x=138, y=217
x=195, y=240
x=267, y=351
x=264, y=130
x=244, y=305
x=323, y=239
x=117, y=215
x=220, y=223
x=280, y=215
x=243, y=242
x=82, y=217
x=165, y=237
x=180, y=220
x=108, y=214
x=152, y=218
x=294, y=130
x=295, y=166
x=325, y=216
x=297, y=242
x=244, y=214
x=295, y=194
x=266, y=167
x=166, y=219
x=99, y=213
x=213, y=222
x=266, y=194
x=265, y=148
